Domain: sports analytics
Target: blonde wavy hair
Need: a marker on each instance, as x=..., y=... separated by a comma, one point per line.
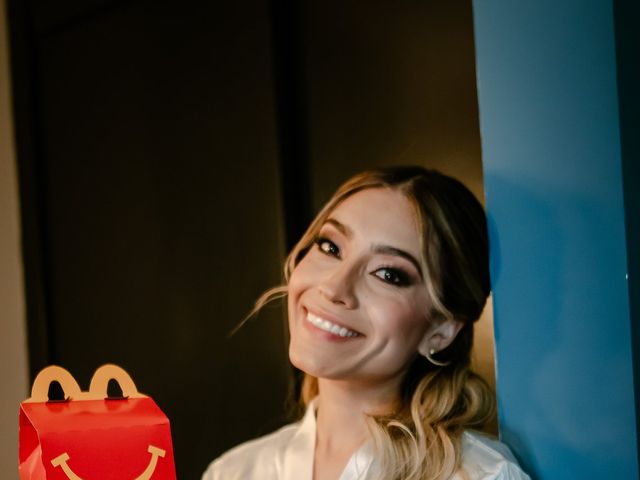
x=421, y=440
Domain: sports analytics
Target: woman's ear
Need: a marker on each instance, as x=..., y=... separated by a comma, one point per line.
x=439, y=336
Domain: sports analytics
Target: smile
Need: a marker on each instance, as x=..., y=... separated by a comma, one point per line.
x=330, y=327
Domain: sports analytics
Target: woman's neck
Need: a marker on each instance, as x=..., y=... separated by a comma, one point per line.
x=341, y=419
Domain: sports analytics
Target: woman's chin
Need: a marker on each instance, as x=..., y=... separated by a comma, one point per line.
x=302, y=362
x=310, y=363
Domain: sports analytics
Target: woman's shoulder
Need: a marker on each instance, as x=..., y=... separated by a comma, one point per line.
x=486, y=458
x=252, y=459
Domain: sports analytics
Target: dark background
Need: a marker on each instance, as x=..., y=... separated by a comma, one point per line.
x=171, y=152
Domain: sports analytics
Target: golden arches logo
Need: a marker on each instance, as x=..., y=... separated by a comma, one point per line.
x=61, y=461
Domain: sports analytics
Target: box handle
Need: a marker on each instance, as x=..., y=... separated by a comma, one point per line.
x=71, y=389
x=53, y=373
x=100, y=382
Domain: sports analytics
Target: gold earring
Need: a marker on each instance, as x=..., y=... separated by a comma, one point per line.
x=437, y=363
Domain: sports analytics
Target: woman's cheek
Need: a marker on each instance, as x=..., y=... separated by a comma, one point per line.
x=404, y=317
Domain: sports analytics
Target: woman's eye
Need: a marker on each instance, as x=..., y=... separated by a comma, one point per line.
x=393, y=276
x=328, y=247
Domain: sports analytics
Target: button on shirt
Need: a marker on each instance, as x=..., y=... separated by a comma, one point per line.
x=287, y=454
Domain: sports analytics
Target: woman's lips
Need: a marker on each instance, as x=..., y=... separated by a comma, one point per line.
x=330, y=327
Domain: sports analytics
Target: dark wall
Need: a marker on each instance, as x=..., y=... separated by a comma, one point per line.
x=170, y=151
x=154, y=177
x=391, y=84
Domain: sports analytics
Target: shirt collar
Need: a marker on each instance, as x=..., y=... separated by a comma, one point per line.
x=299, y=454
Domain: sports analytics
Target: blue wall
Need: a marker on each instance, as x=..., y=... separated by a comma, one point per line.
x=550, y=130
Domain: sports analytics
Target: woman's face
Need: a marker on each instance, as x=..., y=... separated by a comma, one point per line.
x=358, y=305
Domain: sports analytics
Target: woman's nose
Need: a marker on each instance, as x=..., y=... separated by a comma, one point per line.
x=338, y=285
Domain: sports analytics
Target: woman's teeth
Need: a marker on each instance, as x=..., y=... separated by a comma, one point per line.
x=327, y=326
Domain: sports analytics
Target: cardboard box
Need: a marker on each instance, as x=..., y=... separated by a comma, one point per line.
x=91, y=437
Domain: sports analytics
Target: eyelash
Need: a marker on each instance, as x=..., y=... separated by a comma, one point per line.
x=321, y=240
x=399, y=277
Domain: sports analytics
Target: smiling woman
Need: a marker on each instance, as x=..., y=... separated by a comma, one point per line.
x=363, y=276
x=383, y=290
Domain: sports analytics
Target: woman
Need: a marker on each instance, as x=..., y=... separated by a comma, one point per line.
x=383, y=290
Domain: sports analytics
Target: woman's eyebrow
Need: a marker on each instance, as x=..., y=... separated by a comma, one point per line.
x=342, y=228
x=389, y=250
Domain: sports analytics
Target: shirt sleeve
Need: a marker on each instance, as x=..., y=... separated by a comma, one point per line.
x=485, y=458
x=210, y=473
x=510, y=471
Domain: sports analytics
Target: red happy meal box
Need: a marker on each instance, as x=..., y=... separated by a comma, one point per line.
x=91, y=437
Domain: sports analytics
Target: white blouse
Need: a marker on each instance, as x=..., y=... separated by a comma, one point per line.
x=287, y=454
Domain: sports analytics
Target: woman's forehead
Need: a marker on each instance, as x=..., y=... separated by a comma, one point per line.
x=379, y=215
